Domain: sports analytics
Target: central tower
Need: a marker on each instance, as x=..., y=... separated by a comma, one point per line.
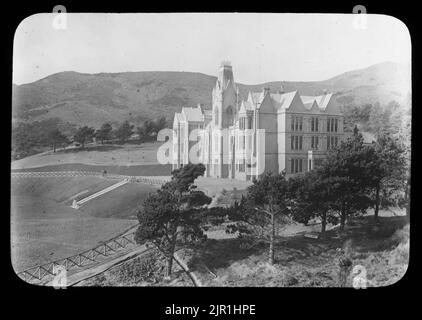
x=224, y=112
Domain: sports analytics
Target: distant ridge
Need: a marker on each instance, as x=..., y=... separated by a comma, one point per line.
x=92, y=99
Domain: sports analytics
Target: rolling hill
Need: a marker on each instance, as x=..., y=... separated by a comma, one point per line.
x=92, y=99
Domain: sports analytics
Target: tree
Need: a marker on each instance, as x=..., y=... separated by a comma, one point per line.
x=265, y=205
x=349, y=167
x=171, y=218
x=104, y=133
x=385, y=120
x=387, y=172
x=84, y=135
x=160, y=124
x=56, y=137
x=146, y=129
x=124, y=132
x=357, y=115
x=312, y=198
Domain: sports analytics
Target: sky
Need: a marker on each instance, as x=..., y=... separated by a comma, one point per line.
x=261, y=47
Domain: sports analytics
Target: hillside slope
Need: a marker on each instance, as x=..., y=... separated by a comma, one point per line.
x=93, y=99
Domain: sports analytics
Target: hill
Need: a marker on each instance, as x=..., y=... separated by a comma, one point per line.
x=92, y=99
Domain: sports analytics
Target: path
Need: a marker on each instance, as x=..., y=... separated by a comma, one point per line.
x=101, y=192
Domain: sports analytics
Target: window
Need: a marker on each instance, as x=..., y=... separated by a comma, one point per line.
x=314, y=124
x=242, y=167
x=332, y=125
x=332, y=141
x=296, y=142
x=216, y=143
x=230, y=117
x=242, y=123
x=216, y=116
x=296, y=165
x=314, y=142
x=249, y=122
x=297, y=124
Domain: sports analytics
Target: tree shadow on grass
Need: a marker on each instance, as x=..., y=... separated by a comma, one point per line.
x=370, y=236
x=298, y=249
x=222, y=253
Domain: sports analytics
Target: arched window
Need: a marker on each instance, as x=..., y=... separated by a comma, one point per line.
x=216, y=116
x=230, y=117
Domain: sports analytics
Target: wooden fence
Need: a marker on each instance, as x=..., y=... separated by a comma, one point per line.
x=70, y=174
x=80, y=260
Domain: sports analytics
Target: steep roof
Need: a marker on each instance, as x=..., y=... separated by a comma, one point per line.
x=256, y=97
x=286, y=99
x=193, y=114
x=321, y=100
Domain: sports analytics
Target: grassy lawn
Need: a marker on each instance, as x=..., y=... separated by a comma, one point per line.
x=122, y=202
x=45, y=228
x=97, y=155
x=214, y=186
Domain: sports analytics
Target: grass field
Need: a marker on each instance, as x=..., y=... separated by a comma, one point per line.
x=96, y=155
x=122, y=202
x=45, y=228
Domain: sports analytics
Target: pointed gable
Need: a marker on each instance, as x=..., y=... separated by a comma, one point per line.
x=193, y=114
x=266, y=104
x=292, y=102
x=329, y=104
x=242, y=108
x=314, y=107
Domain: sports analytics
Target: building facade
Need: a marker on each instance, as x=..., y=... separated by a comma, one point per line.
x=269, y=131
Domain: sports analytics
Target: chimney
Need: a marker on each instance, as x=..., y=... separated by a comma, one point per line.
x=281, y=90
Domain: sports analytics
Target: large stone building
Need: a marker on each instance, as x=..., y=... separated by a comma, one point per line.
x=269, y=131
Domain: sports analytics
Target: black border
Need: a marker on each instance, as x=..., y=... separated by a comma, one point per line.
x=266, y=299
